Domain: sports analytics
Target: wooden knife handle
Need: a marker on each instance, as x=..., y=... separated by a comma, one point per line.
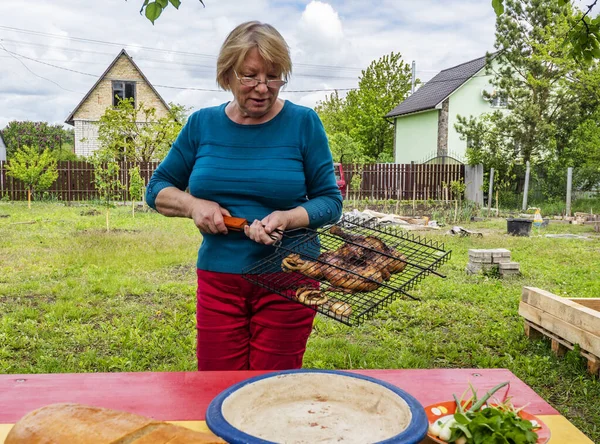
x=235, y=223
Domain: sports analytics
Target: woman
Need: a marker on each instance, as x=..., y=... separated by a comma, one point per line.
x=263, y=159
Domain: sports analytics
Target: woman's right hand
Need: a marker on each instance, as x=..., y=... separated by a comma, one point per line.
x=208, y=216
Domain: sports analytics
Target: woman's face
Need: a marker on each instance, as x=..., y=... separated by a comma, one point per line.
x=254, y=102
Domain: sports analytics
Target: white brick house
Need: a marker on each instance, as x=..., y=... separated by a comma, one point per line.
x=123, y=78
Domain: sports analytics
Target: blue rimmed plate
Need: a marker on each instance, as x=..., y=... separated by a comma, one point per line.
x=307, y=406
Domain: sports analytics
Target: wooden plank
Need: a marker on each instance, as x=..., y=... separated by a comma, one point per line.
x=558, y=348
x=558, y=345
x=531, y=332
x=592, y=303
x=571, y=312
x=586, y=340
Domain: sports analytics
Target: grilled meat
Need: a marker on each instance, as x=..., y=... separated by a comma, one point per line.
x=362, y=263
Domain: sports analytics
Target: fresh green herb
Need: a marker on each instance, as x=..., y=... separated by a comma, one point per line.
x=485, y=424
x=492, y=425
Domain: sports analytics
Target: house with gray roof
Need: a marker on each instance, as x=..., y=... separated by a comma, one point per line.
x=424, y=122
x=2, y=148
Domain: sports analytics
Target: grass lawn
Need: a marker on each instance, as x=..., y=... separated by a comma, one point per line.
x=74, y=298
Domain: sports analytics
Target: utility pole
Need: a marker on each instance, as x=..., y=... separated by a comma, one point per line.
x=491, y=190
x=526, y=191
x=414, y=77
x=569, y=186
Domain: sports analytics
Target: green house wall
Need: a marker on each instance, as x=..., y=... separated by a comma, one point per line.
x=416, y=136
x=467, y=101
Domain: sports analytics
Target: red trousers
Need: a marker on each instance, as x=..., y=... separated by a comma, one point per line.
x=242, y=326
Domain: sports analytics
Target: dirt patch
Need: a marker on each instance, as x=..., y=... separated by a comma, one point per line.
x=183, y=271
x=92, y=212
x=112, y=231
x=30, y=299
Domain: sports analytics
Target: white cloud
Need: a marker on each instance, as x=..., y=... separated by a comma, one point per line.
x=331, y=42
x=319, y=21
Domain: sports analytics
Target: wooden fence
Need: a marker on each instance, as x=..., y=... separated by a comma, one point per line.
x=75, y=181
x=377, y=181
x=403, y=181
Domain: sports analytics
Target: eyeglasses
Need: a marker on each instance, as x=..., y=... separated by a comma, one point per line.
x=252, y=82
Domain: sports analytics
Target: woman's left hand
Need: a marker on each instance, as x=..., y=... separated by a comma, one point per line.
x=263, y=231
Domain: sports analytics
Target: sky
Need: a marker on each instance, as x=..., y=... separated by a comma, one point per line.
x=52, y=52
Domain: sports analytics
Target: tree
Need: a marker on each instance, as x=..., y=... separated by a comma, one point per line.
x=332, y=113
x=381, y=87
x=106, y=179
x=583, y=34
x=36, y=170
x=536, y=75
x=36, y=134
x=135, y=133
x=360, y=115
x=583, y=154
x=345, y=149
x=136, y=187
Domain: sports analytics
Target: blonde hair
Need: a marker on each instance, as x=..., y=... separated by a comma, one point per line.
x=270, y=44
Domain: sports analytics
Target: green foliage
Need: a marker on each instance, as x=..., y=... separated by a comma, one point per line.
x=356, y=181
x=331, y=112
x=381, y=87
x=135, y=133
x=36, y=170
x=583, y=35
x=65, y=154
x=361, y=114
x=345, y=149
x=584, y=153
x=549, y=95
x=106, y=179
x=153, y=9
x=136, y=187
x=136, y=183
x=457, y=187
x=40, y=135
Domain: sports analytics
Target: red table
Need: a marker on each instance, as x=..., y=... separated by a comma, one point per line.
x=183, y=397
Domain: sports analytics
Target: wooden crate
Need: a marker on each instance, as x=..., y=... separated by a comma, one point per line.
x=565, y=321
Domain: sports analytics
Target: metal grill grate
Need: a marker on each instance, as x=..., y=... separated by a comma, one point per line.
x=306, y=267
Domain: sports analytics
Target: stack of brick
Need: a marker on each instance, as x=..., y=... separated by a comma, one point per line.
x=489, y=260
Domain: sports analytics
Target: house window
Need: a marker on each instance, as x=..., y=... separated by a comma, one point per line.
x=122, y=90
x=498, y=101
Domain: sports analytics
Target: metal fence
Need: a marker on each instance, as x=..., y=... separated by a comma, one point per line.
x=375, y=181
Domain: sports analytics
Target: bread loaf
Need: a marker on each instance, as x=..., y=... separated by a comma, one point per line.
x=76, y=423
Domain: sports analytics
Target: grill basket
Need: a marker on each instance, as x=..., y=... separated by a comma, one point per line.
x=353, y=290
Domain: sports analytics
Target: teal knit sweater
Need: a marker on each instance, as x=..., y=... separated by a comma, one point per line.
x=251, y=170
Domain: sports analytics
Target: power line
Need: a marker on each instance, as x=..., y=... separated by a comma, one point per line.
x=14, y=54
x=37, y=75
x=216, y=90
x=211, y=67
x=167, y=51
x=156, y=85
